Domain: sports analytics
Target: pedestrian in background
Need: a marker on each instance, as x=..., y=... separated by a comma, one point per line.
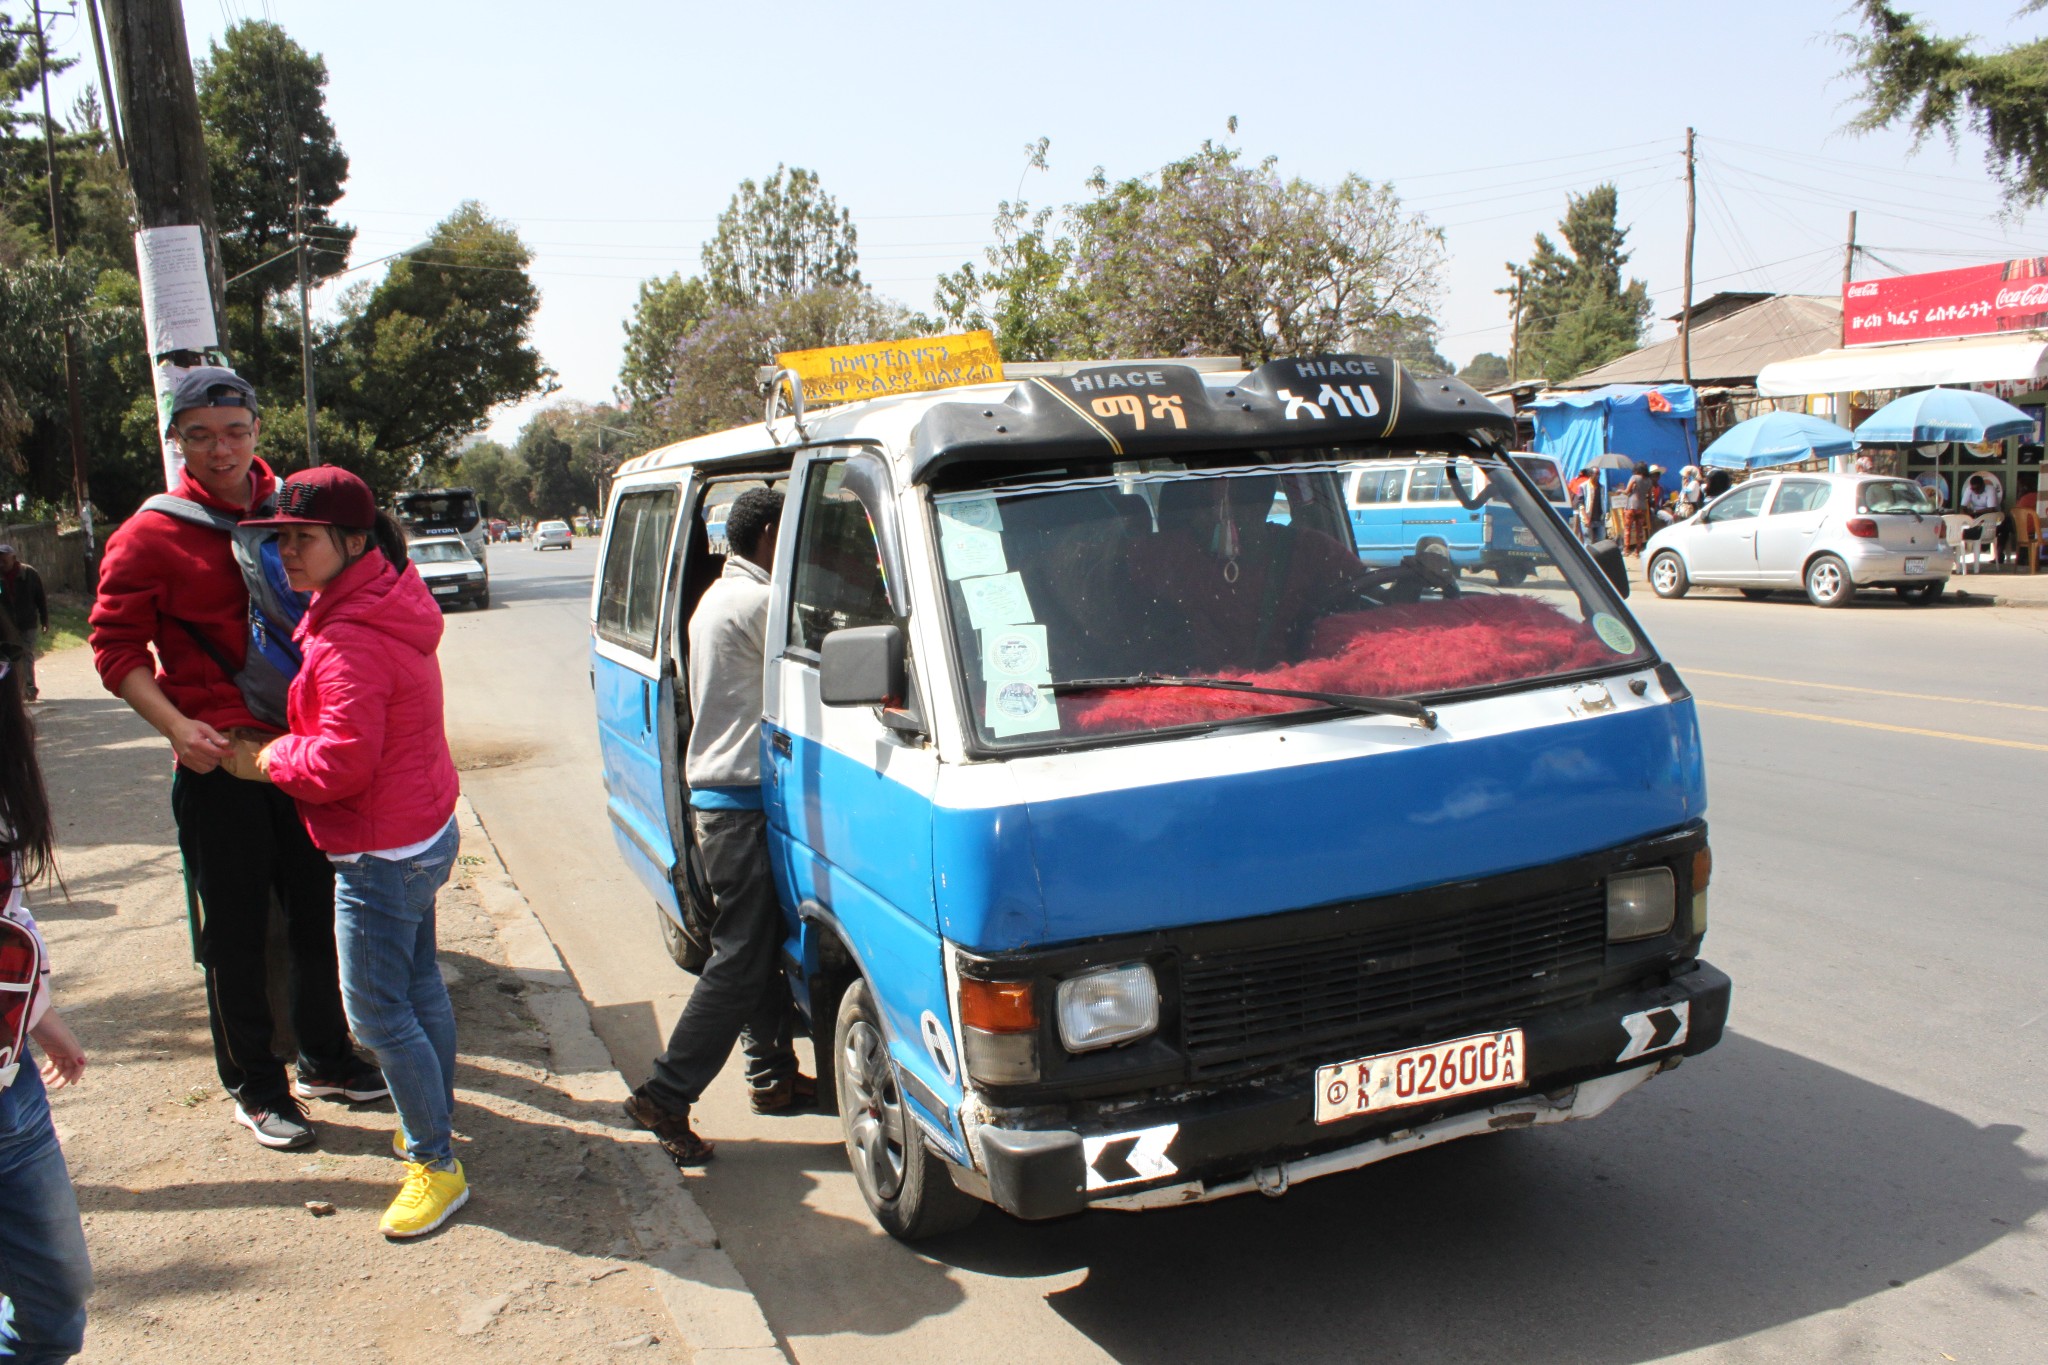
x=1635, y=504
x=27, y=609
x=741, y=995
x=170, y=636
x=45, y=1275
x=367, y=761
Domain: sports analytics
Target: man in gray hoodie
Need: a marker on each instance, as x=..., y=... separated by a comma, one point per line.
x=741, y=994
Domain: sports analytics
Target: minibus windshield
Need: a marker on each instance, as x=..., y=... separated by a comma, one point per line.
x=1082, y=608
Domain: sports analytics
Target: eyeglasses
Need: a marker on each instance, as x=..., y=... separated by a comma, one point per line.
x=203, y=441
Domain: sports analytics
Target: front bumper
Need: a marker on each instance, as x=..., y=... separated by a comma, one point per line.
x=1192, y=1148
x=458, y=594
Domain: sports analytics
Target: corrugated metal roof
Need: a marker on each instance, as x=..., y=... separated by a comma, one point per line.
x=1732, y=348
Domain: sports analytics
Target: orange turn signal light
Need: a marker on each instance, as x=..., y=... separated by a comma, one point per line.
x=1702, y=869
x=998, y=1006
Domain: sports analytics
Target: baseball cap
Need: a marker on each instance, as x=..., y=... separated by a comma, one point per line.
x=327, y=496
x=210, y=386
x=6, y=549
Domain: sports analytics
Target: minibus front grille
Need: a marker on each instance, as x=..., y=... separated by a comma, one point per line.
x=1350, y=995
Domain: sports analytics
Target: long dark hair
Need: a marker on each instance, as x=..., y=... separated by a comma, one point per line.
x=28, y=843
x=384, y=534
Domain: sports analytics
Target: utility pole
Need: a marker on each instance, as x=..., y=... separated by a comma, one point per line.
x=1515, y=333
x=1849, y=254
x=1685, y=318
x=177, y=251
x=99, y=53
x=74, y=403
x=305, y=317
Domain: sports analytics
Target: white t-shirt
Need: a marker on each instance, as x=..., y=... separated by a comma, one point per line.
x=1980, y=500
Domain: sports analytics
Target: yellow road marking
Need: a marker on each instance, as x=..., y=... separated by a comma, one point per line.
x=1874, y=725
x=1867, y=691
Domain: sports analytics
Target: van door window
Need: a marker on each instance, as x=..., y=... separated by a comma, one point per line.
x=838, y=578
x=1428, y=484
x=1380, y=485
x=629, y=606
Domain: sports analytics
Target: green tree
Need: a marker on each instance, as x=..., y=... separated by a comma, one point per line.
x=269, y=144
x=559, y=488
x=1575, y=312
x=1940, y=85
x=1485, y=370
x=417, y=362
x=782, y=237
x=1024, y=291
x=499, y=477
x=666, y=311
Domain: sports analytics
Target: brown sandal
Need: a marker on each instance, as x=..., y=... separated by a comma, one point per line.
x=670, y=1129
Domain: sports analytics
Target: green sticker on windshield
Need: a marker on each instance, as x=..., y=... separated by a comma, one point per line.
x=1614, y=634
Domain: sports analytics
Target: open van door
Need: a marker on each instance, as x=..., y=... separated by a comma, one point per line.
x=634, y=672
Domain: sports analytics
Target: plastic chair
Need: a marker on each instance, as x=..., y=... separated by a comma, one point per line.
x=1979, y=543
x=2026, y=539
x=1956, y=523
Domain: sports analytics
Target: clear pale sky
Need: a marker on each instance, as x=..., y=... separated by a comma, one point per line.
x=613, y=135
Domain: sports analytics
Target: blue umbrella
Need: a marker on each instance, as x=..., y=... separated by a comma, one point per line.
x=1777, y=438
x=1943, y=415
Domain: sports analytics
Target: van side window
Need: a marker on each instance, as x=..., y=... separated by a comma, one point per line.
x=629, y=608
x=838, y=579
x=1428, y=484
x=1380, y=485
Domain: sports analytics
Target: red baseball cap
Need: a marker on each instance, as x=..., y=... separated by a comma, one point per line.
x=326, y=496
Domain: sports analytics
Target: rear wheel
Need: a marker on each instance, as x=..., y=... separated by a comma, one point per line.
x=1756, y=594
x=1828, y=583
x=672, y=940
x=1920, y=594
x=1512, y=575
x=1667, y=575
x=906, y=1187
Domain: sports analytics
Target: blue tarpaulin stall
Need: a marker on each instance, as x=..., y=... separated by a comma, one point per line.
x=1653, y=423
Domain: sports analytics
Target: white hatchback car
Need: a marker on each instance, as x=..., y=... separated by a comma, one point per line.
x=1828, y=534
x=553, y=535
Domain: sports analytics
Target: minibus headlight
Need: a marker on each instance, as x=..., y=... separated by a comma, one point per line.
x=1108, y=1005
x=1640, y=904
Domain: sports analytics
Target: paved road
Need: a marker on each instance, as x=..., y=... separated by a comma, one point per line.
x=1856, y=1173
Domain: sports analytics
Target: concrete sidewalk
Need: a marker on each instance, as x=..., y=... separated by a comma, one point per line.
x=580, y=1241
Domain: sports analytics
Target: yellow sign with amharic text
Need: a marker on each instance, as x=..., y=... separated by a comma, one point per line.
x=841, y=374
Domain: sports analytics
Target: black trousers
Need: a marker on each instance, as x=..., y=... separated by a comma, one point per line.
x=242, y=841
x=742, y=994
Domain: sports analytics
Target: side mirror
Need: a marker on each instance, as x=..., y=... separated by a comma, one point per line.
x=1613, y=563
x=863, y=666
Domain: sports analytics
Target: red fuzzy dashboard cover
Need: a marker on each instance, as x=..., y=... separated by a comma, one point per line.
x=1394, y=651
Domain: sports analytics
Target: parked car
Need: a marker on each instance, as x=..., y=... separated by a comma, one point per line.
x=1827, y=534
x=553, y=535
x=515, y=532
x=451, y=573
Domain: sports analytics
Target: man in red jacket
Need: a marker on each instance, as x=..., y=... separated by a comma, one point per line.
x=167, y=583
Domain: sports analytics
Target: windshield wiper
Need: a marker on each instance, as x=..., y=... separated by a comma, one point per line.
x=1372, y=706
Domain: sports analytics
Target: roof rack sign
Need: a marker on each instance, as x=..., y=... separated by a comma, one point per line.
x=844, y=374
x=1154, y=408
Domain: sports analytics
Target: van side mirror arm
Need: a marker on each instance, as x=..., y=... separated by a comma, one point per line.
x=867, y=478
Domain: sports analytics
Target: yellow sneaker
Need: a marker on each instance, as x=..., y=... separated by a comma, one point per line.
x=399, y=1148
x=425, y=1201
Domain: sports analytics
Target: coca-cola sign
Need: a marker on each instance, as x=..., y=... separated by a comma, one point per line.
x=1974, y=301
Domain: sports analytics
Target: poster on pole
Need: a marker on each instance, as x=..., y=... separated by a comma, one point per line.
x=177, y=301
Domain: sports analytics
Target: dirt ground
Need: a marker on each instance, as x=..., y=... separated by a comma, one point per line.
x=204, y=1248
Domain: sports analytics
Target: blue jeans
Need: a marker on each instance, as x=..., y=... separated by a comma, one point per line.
x=391, y=985
x=43, y=1267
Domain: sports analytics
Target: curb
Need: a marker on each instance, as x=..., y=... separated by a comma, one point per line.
x=713, y=1309
x=1997, y=599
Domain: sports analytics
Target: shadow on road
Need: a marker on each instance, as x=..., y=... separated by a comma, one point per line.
x=1751, y=1189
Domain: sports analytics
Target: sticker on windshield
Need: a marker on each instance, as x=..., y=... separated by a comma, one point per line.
x=1020, y=708
x=971, y=552
x=998, y=600
x=1015, y=654
x=1613, y=633
x=980, y=514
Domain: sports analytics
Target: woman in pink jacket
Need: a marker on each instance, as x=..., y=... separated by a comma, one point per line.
x=367, y=761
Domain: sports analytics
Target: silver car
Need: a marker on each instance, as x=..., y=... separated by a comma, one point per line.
x=553, y=535
x=1826, y=534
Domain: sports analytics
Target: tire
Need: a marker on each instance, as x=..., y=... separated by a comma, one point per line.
x=1756, y=594
x=1921, y=594
x=483, y=600
x=1667, y=575
x=906, y=1186
x=672, y=940
x=1828, y=583
x=1511, y=576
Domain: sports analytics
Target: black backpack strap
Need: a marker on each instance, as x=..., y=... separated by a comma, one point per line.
x=212, y=650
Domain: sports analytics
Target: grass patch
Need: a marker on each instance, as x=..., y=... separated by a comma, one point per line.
x=67, y=625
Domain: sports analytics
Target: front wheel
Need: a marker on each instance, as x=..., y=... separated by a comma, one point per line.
x=1828, y=583
x=906, y=1187
x=483, y=601
x=1667, y=575
x=1920, y=594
